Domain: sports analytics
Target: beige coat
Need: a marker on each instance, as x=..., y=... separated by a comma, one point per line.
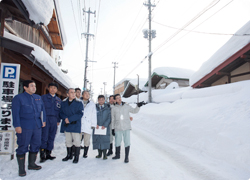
x=120, y=116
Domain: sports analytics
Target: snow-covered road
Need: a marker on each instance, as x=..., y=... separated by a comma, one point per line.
x=151, y=157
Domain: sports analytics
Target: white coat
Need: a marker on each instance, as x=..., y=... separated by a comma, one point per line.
x=89, y=118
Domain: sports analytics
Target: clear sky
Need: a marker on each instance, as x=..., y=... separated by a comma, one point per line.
x=118, y=26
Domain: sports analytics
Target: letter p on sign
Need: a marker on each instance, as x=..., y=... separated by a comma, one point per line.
x=9, y=72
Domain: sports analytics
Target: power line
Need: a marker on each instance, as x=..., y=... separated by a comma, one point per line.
x=188, y=23
x=76, y=28
x=201, y=32
x=196, y=26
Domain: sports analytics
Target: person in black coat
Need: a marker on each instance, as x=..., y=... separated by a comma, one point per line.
x=71, y=113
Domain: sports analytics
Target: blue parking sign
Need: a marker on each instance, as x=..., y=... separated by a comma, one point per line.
x=9, y=72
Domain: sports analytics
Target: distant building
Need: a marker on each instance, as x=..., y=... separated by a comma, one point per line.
x=120, y=86
x=163, y=76
x=231, y=63
x=132, y=87
x=30, y=44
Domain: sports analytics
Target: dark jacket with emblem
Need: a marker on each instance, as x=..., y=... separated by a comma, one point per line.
x=52, y=105
x=74, y=113
x=103, y=119
x=26, y=111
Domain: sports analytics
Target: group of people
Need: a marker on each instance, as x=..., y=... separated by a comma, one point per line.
x=36, y=119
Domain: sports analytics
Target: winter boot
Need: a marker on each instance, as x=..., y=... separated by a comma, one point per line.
x=85, y=151
x=104, y=154
x=126, y=154
x=32, y=159
x=117, y=152
x=99, y=154
x=110, y=152
x=73, y=150
x=69, y=154
x=48, y=155
x=77, y=152
x=21, y=164
x=42, y=155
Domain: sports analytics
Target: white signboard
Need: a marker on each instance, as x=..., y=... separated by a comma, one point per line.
x=9, y=84
x=7, y=142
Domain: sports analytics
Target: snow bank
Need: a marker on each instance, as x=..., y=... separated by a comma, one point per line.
x=232, y=46
x=45, y=59
x=40, y=11
x=174, y=72
x=207, y=121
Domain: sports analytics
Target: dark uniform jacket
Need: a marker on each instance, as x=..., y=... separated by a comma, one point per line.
x=52, y=105
x=26, y=111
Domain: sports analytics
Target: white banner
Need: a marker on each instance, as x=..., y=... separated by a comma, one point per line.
x=9, y=84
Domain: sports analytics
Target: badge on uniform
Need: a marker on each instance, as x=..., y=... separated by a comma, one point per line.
x=58, y=105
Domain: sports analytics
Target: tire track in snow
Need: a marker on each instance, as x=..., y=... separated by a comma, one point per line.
x=197, y=170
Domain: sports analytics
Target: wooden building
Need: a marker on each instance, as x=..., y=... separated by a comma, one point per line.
x=15, y=21
x=163, y=76
x=231, y=63
x=120, y=86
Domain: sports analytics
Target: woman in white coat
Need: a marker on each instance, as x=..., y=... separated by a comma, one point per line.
x=89, y=121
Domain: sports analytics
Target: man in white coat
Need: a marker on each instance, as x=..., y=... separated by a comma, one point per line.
x=89, y=121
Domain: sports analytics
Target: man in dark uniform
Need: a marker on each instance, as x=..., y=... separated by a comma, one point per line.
x=52, y=105
x=29, y=117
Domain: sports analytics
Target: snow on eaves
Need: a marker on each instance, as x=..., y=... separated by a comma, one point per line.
x=142, y=82
x=60, y=19
x=45, y=59
x=174, y=72
x=39, y=11
x=121, y=81
x=233, y=45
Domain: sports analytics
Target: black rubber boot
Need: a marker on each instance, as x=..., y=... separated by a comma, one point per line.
x=117, y=152
x=85, y=151
x=99, y=154
x=110, y=152
x=21, y=164
x=48, y=155
x=77, y=152
x=73, y=150
x=42, y=155
x=126, y=154
x=69, y=154
x=104, y=154
x=32, y=159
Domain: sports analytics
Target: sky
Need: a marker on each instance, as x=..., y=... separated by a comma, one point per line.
x=117, y=28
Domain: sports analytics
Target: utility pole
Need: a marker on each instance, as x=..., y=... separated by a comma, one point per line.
x=87, y=47
x=115, y=66
x=104, y=84
x=138, y=89
x=150, y=36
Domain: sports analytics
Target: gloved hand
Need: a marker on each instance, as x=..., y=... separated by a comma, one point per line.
x=141, y=104
x=113, y=132
x=66, y=124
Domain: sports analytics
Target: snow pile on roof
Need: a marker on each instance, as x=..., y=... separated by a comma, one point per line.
x=61, y=25
x=233, y=45
x=121, y=81
x=142, y=82
x=45, y=59
x=40, y=11
x=174, y=72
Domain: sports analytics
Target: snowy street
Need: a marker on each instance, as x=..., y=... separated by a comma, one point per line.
x=149, y=159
